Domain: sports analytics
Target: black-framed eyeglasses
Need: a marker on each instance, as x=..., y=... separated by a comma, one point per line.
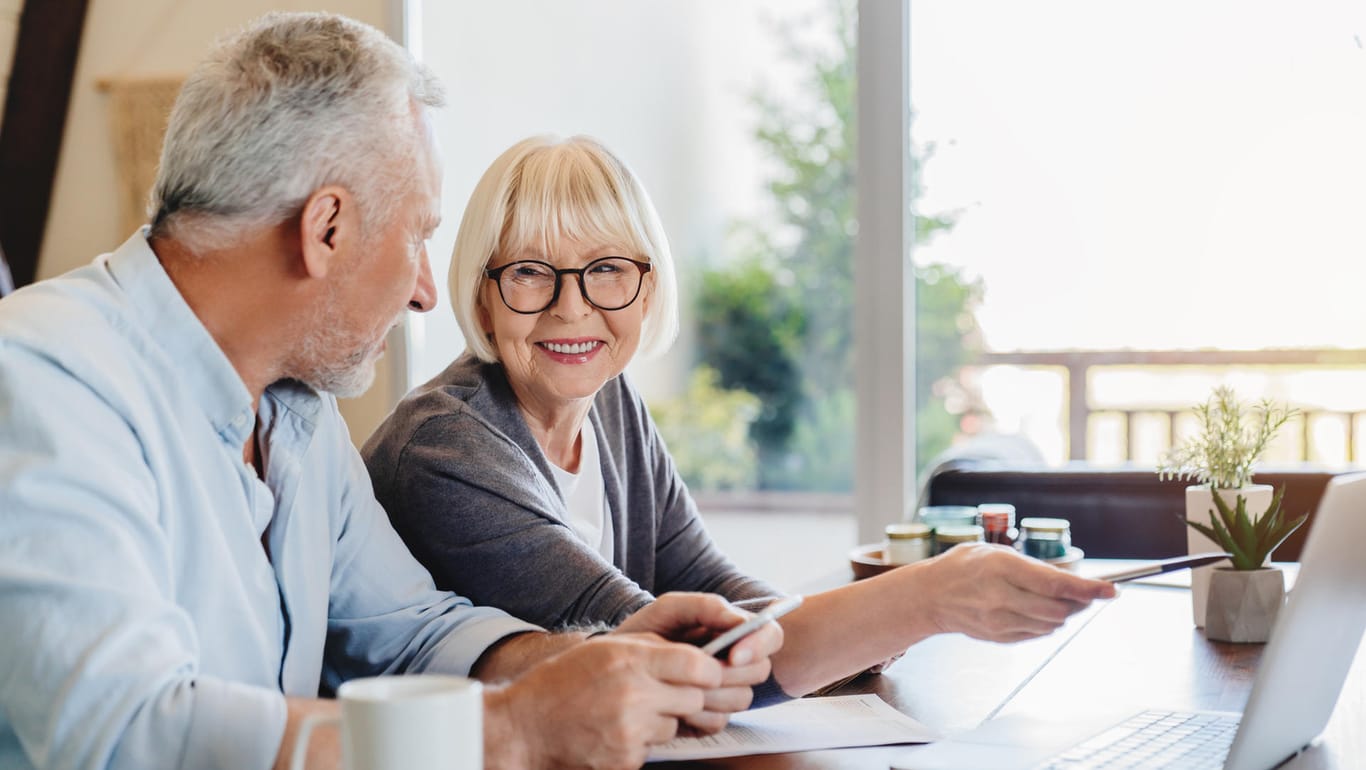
x=530, y=286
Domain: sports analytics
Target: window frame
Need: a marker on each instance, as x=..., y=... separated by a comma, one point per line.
x=884, y=310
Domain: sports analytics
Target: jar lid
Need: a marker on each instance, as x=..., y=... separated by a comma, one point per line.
x=907, y=531
x=1045, y=524
x=948, y=514
x=958, y=534
x=986, y=508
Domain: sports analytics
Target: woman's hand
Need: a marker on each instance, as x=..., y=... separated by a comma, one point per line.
x=995, y=593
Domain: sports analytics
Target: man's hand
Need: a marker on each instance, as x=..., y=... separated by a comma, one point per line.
x=600, y=704
x=695, y=618
x=995, y=593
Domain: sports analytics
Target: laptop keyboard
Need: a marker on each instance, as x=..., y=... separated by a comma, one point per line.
x=1154, y=739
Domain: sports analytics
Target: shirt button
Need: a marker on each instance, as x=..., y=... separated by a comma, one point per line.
x=239, y=421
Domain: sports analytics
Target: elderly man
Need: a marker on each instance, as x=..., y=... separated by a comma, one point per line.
x=190, y=550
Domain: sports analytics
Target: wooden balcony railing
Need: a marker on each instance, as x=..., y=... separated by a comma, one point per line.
x=1078, y=365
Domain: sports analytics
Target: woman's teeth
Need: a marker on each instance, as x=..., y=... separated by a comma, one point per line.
x=578, y=347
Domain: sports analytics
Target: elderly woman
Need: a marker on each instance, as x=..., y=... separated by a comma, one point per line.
x=529, y=476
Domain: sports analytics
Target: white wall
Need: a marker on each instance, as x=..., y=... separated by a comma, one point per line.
x=157, y=37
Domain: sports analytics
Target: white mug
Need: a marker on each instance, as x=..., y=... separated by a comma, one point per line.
x=412, y=722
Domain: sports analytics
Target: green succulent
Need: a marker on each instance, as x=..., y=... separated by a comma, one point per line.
x=1249, y=540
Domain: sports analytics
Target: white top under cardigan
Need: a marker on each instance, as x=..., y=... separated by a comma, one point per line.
x=585, y=496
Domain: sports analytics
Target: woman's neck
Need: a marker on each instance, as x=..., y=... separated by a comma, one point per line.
x=557, y=431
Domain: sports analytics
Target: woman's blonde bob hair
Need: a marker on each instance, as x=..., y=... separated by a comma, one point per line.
x=545, y=190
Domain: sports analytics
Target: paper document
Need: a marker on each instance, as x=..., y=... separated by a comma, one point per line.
x=804, y=724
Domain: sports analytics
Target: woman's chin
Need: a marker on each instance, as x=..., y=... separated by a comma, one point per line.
x=568, y=391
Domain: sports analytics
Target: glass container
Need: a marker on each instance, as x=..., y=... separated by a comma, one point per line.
x=1045, y=538
x=906, y=543
x=998, y=523
x=948, y=536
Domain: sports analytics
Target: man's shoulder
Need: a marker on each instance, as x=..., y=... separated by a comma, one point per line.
x=67, y=301
x=74, y=322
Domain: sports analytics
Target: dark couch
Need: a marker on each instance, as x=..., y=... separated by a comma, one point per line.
x=1122, y=514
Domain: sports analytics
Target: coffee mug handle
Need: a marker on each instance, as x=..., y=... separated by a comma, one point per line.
x=305, y=731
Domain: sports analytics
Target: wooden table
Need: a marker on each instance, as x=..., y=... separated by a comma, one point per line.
x=1119, y=657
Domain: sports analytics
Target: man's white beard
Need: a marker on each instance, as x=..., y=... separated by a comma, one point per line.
x=344, y=379
x=319, y=365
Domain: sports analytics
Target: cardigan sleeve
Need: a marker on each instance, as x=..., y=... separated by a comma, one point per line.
x=474, y=509
x=685, y=556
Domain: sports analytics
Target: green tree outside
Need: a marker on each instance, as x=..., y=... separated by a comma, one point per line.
x=777, y=322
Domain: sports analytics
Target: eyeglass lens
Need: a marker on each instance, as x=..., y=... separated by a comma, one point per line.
x=610, y=283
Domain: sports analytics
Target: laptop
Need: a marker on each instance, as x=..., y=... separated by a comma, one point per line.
x=1298, y=681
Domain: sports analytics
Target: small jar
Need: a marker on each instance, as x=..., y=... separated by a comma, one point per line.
x=947, y=537
x=906, y=543
x=936, y=516
x=1045, y=538
x=998, y=523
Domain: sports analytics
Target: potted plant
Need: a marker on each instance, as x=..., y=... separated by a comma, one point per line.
x=1232, y=437
x=1245, y=598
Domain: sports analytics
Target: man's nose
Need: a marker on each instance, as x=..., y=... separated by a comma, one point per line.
x=424, y=294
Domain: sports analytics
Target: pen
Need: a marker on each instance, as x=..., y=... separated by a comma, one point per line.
x=1166, y=565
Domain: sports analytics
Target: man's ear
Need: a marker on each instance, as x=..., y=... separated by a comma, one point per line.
x=323, y=227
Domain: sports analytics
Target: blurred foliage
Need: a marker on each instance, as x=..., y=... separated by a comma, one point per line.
x=707, y=431
x=778, y=321
x=750, y=326
x=820, y=455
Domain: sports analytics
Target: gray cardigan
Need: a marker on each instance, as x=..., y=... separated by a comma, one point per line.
x=470, y=491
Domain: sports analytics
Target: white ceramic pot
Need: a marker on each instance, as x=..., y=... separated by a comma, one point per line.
x=1199, y=503
x=1243, y=604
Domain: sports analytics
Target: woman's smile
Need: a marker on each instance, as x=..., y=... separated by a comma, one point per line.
x=570, y=351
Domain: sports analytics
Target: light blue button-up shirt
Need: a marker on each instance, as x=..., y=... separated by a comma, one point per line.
x=142, y=622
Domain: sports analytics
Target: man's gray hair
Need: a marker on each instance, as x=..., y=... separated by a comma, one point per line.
x=291, y=103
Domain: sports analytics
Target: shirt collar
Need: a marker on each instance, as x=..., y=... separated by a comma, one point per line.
x=198, y=361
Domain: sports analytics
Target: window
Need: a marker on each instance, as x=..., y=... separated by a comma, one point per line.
x=1149, y=199
x=1117, y=207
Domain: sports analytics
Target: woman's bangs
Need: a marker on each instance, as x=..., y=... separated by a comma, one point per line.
x=570, y=200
